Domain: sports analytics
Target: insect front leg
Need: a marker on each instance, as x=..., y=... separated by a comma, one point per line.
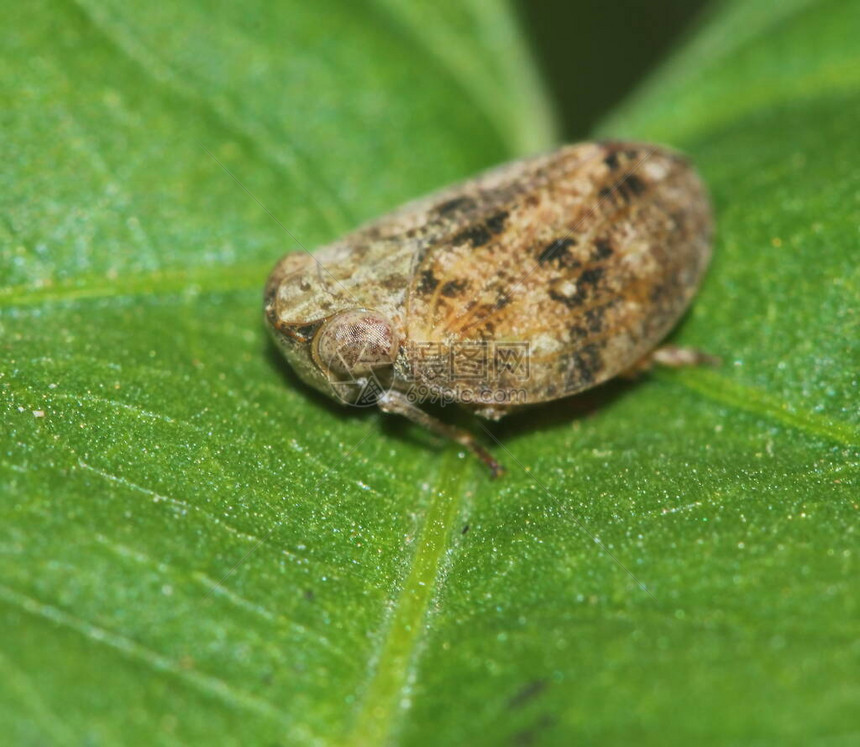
x=671, y=356
x=395, y=402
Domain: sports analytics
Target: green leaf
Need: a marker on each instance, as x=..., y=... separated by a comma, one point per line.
x=197, y=549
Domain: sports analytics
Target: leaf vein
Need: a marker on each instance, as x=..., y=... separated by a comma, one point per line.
x=384, y=697
x=204, y=683
x=717, y=388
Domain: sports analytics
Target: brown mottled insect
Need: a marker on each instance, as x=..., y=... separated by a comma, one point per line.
x=533, y=281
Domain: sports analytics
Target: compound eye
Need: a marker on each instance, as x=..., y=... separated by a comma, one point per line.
x=355, y=342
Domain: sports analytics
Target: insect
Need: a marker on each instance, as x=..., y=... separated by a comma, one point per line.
x=533, y=281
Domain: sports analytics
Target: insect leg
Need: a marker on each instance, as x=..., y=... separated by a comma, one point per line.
x=671, y=356
x=393, y=401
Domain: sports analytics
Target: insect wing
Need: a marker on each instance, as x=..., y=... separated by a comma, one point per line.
x=587, y=256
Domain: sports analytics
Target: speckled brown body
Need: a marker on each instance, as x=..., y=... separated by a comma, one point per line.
x=589, y=254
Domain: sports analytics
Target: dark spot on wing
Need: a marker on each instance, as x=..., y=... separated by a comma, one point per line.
x=584, y=283
x=496, y=223
x=503, y=300
x=612, y=160
x=593, y=322
x=555, y=250
x=455, y=205
x=664, y=293
x=633, y=185
x=602, y=249
x=577, y=333
x=453, y=287
x=627, y=189
x=583, y=367
x=657, y=293
x=595, y=318
x=591, y=276
x=428, y=282
x=393, y=282
x=477, y=235
x=571, y=301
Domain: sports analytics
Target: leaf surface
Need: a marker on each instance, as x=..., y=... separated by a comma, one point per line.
x=196, y=548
